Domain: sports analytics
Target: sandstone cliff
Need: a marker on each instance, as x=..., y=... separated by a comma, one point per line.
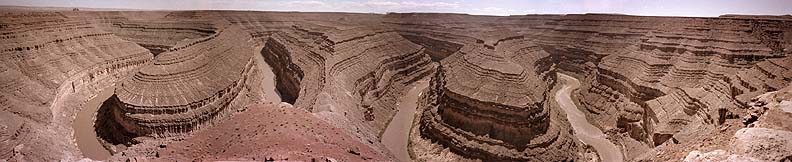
x=652, y=83
x=51, y=65
x=647, y=80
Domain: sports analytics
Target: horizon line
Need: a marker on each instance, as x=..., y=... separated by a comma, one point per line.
x=100, y=9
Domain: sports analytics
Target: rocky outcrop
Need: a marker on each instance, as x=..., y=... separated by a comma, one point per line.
x=768, y=136
x=350, y=72
x=185, y=89
x=490, y=98
x=51, y=65
x=678, y=80
x=671, y=84
x=647, y=81
x=382, y=68
x=765, y=144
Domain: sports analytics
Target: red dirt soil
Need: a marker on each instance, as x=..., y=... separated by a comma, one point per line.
x=264, y=131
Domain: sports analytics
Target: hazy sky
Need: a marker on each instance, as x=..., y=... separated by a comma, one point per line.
x=493, y=7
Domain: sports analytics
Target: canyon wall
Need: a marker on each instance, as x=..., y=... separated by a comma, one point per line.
x=646, y=81
x=768, y=136
x=197, y=81
x=346, y=68
x=672, y=81
x=490, y=99
x=157, y=31
x=488, y=107
x=51, y=65
x=186, y=87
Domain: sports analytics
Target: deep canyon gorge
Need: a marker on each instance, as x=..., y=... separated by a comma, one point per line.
x=319, y=86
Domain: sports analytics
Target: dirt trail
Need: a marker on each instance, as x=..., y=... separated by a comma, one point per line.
x=396, y=135
x=584, y=131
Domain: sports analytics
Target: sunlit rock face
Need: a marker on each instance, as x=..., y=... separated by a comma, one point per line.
x=51, y=65
x=157, y=31
x=489, y=107
x=187, y=86
x=646, y=81
x=490, y=97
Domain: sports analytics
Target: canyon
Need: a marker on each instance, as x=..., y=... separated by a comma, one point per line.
x=584, y=130
x=306, y=86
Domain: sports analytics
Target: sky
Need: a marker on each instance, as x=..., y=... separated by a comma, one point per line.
x=699, y=8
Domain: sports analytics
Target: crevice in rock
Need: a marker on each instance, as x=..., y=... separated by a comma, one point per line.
x=287, y=74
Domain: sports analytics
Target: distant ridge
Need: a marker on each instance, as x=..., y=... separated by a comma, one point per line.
x=46, y=8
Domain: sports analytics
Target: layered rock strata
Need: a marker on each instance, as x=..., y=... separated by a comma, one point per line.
x=288, y=60
x=768, y=136
x=51, y=65
x=184, y=89
x=349, y=72
x=647, y=81
x=157, y=31
x=680, y=78
x=489, y=101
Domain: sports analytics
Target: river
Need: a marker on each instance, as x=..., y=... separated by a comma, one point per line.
x=84, y=132
x=584, y=130
x=396, y=134
x=270, y=93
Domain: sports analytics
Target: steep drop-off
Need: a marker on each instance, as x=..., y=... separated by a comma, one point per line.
x=157, y=31
x=652, y=84
x=351, y=75
x=646, y=80
x=51, y=66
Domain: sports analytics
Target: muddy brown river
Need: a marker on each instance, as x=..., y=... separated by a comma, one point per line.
x=83, y=125
x=85, y=135
x=270, y=93
x=396, y=134
x=584, y=131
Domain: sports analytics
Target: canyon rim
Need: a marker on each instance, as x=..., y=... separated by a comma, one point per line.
x=217, y=85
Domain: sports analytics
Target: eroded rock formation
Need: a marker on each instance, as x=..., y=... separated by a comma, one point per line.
x=184, y=88
x=347, y=68
x=157, y=31
x=768, y=136
x=51, y=66
x=646, y=81
x=489, y=99
x=486, y=106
